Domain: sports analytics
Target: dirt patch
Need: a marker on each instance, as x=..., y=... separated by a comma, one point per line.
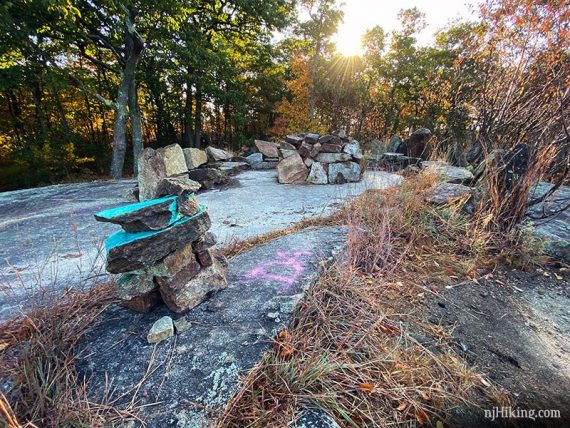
x=514, y=326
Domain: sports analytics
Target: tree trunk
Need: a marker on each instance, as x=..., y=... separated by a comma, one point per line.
x=134, y=47
x=198, y=118
x=313, y=93
x=136, y=124
x=188, y=116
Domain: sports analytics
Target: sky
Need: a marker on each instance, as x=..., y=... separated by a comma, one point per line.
x=360, y=15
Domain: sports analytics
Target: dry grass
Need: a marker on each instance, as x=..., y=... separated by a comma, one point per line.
x=352, y=349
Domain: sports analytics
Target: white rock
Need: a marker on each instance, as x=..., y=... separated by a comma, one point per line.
x=195, y=157
x=217, y=155
x=160, y=330
x=318, y=174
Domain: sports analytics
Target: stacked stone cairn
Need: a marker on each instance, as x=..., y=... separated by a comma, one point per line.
x=312, y=158
x=163, y=252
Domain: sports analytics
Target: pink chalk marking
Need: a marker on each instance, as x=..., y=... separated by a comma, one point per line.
x=289, y=261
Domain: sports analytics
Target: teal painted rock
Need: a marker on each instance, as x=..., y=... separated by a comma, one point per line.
x=150, y=215
x=141, y=250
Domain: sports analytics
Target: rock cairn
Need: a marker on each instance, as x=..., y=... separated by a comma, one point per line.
x=163, y=252
x=311, y=158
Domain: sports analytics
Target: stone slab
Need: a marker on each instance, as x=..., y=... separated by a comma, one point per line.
x=229, y=333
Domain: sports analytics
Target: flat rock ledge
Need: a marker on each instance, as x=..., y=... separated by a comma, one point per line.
x=223, y=338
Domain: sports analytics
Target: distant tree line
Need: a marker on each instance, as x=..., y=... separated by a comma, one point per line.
x=85, y=85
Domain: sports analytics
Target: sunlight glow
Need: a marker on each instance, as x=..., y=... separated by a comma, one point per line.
x=349, y=42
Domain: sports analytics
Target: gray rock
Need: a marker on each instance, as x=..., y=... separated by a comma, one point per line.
x=128, y=252
x=444, y=193
x=267, y=148
x=353, y=149
x=285, y=145
x=448, y=173
x=264, y=165
x=292, y=170
x=207, y=177
x=195, y=157
x=152, y=171
x=294, y=140
x=162, y=329
x=217, y=155
x=333, y=157
x=285, y=153
x=305, y=150
x=394, y=144
x=326, y=139
x=318, y=174
x=130, y=285
x=181, y=297
x=254, y=158
x=345, y=172
x=206, y=241
x=174, y=160
x=143, y=216
x=315, y=150
x=331, y=148
x=312, y=138
x=179, y=186
x=397, y=161
x=314, y=419
x=181, y=325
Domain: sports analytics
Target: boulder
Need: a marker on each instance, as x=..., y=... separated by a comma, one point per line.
x=417, y=144
x=181, y=297
x=287, y=146
x=161, y=330
x=312, y=138
x=444, y=193
x=377, y=150
x=294, y=140
x=331, y=148
x=155, y=214
x=217, y=155
x=195, y=157
x=333, y=157
x=174, y=160
x=254, y=158
x=344, y=172
x=448, y=173
x=267, y=148
x=265, y=165
x=132, y=251
x=318, y=174
x=152, y=171
x=353, y=149
x=292, y=170
x=179, y=186
x=285, y=153
x=138, y=292
x=394, y=145
x=207, y=177
x=305, y=150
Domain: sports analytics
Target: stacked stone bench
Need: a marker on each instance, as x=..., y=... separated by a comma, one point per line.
x=163, y=252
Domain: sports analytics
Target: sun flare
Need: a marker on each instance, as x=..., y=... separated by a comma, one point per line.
x=349, y=42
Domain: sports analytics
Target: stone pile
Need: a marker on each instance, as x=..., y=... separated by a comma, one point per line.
x=312, y=158
x=163, y=252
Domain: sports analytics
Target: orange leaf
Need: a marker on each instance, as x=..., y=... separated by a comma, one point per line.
x=401, y=366
x=421, y=416
x=367, y=387
x=424, y=394
x=286, y=351
x=402, y=406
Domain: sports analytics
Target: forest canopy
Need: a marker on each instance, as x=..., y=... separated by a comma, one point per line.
x=86, y=84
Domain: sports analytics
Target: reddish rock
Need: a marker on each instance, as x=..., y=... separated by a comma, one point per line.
x=189, y=271
x=305, y=150
x=294, y=140
x=292, y=170
x=331, y=148
x=144, y=303
x=267, y=149
x=287, y=146
x=205, y=258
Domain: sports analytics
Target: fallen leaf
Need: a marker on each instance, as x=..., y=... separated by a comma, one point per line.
x=401, y=366
x=424, y=394
x=286, y=351
x=367, y=387
x=421, y=416
x=402, y=406
x=284, y=335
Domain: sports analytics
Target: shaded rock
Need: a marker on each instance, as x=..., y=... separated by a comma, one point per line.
x=417, y=144
x=205, y=258
x=131, y=285
x=397, y=161
x=267, y=148
x=448, y=173
x=331, y=148
x=491, y=159
x=312, y=138
x=155, y=214
x=305, y=150
x=217, y=155
x=344, y=172
x=514, y=166
x=181, y=297
x=190, y=270
x=333, y=157
x=161, y=330
x=152, y=171
x=285, y=145
x=208, y=240
x=145, y=303
x=174, y=160
x=394, y=144
x=254, y=158
x=315, y=150
x=444, y=193
x=207, y=177
x=377, y=149
x=285, y=153
x=265, y=165
x=294, y=140
x=133, y=251
x=353, y=149
x=233, y=167
x=179, y=186
x=318, y=174
x=195, y=157
x=292, y=170
x=325, y=139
